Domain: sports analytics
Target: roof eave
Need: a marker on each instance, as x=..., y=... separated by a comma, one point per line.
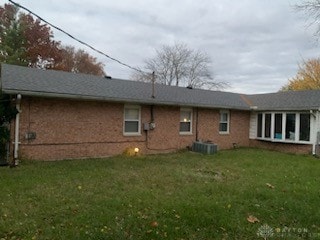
x=304, y=108
x=152, y=101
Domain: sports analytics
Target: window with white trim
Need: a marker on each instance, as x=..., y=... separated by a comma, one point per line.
x=224, y=122
x=259, y=125
x=290, y=129
x=304, y=133
x=185, y=121
x=278, y=126
x=131, y=125
x=267, y=125
x=286, y=127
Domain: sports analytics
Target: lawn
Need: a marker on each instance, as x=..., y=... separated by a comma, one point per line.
x=234, y=194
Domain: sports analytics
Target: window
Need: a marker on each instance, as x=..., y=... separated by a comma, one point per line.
x=267, y=126
x=304, y=127
x=185, y=121
x=278, y=126
x=259, y=126
x=131, y=120
x=224, y=122
x=290, y=127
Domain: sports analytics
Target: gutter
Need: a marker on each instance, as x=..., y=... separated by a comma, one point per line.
x=16, y=131
x=152, y=101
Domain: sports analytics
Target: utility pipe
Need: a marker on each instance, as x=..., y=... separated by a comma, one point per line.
x=16, y=132
x=317, y=127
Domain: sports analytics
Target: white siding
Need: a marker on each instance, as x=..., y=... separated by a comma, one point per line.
x=317, y=124
x=315, y=129
x=253, y=126
x=314, y=126
x=318, y=121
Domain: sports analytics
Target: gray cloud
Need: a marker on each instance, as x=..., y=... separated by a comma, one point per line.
x=255, y=45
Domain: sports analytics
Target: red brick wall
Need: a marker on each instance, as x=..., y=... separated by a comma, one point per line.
x=282, y=147
x=79, y=129
x=208, y=125
x=73, y=129
x=165, y=137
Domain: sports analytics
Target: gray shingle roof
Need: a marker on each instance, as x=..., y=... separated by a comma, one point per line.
x=36, y=82
x=50, y=83
x=290, y=100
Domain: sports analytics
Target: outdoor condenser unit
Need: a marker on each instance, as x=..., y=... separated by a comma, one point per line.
x=206, y=148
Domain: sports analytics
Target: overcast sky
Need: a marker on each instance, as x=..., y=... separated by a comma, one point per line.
x=255, y=45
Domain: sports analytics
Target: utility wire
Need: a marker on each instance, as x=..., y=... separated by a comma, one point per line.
x=76, y=39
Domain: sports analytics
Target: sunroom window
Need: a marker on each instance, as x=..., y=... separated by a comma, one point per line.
x=278, y=126
x=304, y=134
x=289, y=127
x=267, y=126
x=259, y=130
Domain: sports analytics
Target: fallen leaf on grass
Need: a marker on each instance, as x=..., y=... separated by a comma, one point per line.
x=154, y=224
x=252, y=219
x=269, y=185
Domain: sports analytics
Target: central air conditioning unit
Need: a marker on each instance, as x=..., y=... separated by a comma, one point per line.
x=206, y=148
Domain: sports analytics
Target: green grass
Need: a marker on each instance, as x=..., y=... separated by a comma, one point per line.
x=187, y=195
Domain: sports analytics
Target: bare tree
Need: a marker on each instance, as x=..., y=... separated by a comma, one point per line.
x=169, y=64
x=180, y=66
x=199, y=74
x=312, y=10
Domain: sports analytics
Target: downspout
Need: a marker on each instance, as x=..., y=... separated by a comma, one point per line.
x=316, y=125
x=16, y=132
x=314, y=145
x=197, y=124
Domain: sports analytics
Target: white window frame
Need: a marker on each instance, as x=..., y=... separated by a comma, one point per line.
x=284, y=122
x=224, y=122
x=135, y=107
x=190, y=110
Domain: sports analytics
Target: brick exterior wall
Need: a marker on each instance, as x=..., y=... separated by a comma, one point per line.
x=282, y=147
x=208, y=125
x=81, y=129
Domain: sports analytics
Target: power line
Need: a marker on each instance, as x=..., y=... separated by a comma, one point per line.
x=76, y=39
